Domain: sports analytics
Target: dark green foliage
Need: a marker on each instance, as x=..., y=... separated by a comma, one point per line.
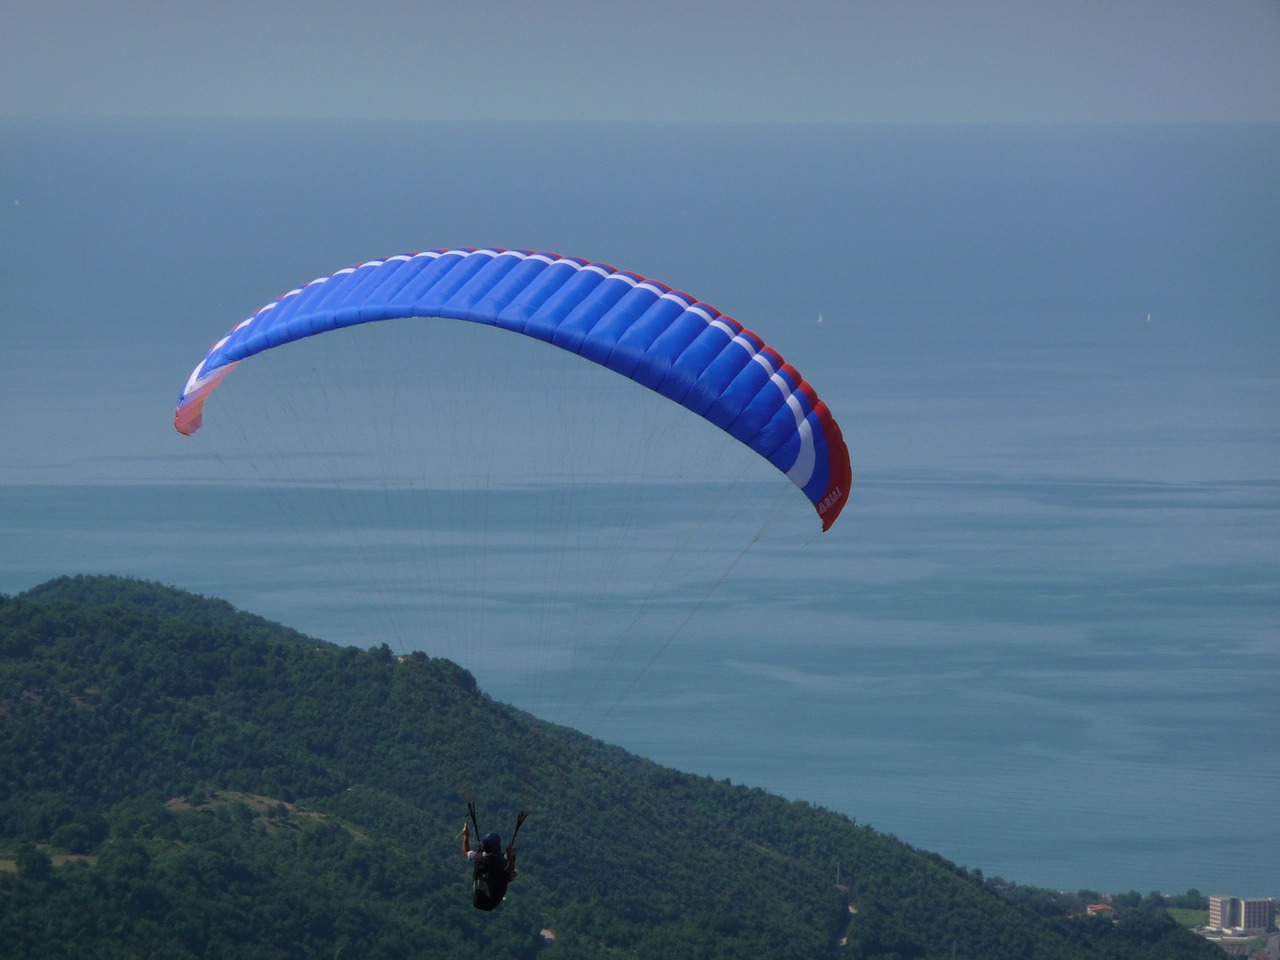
x=241, y=790
x=33, y=863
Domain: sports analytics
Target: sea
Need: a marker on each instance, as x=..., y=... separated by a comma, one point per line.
x=1043, y=639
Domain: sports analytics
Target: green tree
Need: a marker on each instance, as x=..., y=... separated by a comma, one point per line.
x=33, y=863
x=119, y=696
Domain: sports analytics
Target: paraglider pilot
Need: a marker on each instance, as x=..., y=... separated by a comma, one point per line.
x=492, y=870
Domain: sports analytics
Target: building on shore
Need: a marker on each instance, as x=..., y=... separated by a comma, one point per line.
x=1239, y=915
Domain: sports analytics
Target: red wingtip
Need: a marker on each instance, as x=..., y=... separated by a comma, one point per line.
x=840, y=472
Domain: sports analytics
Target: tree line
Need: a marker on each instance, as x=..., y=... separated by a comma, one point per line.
x=224, y=786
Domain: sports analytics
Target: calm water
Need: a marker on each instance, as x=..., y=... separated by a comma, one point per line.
x=1041, y=641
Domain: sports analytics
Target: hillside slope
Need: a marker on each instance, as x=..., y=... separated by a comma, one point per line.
x=225, y=786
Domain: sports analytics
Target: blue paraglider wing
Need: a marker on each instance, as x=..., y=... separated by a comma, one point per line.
x=669, y=342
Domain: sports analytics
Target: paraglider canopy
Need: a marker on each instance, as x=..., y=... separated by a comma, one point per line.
x=660, y=338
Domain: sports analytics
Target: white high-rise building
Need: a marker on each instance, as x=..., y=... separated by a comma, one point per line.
x=1220, y=913
x=1233, y=913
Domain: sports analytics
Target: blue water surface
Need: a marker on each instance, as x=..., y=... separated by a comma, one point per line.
x=1042, y=639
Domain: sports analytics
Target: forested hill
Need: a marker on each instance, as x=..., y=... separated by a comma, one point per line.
x=179, y=779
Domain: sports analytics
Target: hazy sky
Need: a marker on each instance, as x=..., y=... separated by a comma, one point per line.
x=917, y=60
